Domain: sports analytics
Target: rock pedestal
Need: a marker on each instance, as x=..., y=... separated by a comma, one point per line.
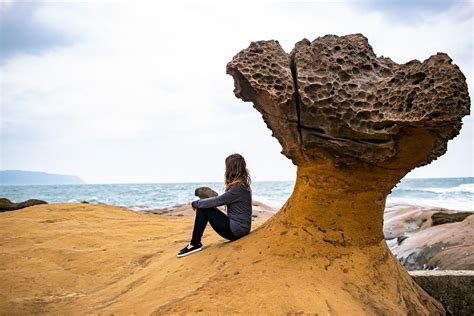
x=354, y=124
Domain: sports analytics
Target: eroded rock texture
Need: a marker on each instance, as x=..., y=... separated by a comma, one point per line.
x=354, y=124
x=263, y=75
x=335, y=98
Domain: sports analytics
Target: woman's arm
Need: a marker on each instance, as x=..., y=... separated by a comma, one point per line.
x=226, y=198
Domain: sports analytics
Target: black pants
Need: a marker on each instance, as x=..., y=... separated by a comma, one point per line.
x=218, y=220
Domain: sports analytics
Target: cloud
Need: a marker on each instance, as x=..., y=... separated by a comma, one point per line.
x=140, y=94
x=415, y=11
x=22, y=32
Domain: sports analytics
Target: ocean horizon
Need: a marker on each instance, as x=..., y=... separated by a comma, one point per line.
x=450, y=193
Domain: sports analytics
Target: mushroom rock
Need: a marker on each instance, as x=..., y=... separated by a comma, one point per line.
x=354, y=124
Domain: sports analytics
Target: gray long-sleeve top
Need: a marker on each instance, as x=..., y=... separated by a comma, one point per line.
x=239, y=207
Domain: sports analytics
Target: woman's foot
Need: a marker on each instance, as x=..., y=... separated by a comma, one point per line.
x=189, y=249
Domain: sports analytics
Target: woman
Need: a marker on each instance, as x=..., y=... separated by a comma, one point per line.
x=237, y=197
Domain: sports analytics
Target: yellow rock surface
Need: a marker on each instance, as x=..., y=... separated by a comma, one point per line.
x=82, y=258
x=97, y=259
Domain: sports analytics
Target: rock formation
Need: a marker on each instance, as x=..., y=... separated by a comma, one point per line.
x=430, y=238
x=354, y=124
x=445, y=247
x=7, y=205
x=205, y=192
x=452, y=288
x=441, y=218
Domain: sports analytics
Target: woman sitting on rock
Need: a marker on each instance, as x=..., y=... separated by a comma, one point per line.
x=237, y=197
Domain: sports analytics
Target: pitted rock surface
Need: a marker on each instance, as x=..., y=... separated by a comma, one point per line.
x=334, y=98
x=262, y=75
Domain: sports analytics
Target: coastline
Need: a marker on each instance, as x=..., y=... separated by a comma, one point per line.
x=449, y=193
x=260, y=211
x=419, y=242
x=96, y=258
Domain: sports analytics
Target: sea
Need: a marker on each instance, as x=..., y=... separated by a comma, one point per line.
x=450, y=193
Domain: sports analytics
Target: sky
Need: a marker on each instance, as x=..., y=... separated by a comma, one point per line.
x=136, y=92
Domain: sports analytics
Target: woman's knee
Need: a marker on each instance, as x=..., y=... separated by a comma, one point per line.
x=201, y=212
x=207, y=210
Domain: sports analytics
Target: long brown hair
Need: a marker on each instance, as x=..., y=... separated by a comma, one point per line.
x=236, y=172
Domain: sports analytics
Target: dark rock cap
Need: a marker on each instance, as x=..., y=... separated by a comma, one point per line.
x=333, y=98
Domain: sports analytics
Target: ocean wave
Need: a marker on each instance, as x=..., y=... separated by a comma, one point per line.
x=448, y=203
x=93, y=199
x=451, y=193
x=462, y=188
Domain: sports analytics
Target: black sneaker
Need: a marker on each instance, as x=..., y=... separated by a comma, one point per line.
x=189, y=249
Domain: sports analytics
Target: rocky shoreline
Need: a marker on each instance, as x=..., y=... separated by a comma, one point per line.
x=260, y=211
x=422, y=238
x=60, y=258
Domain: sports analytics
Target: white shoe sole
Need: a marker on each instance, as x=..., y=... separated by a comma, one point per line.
x=188, y=253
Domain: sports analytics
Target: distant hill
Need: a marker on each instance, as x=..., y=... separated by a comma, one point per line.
x=12, y=177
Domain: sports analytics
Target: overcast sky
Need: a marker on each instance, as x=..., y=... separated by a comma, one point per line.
x=117, y=92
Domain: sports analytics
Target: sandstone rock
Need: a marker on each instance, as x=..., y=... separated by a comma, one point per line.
x=425, y=241
x=177, y=210
x=431, y=242
x=443, y=218
x=205, y=192
x=7, y=205
x=400, y=239
x=452, y=288
x=401, y=219
x=354, y=124
x=334, y=98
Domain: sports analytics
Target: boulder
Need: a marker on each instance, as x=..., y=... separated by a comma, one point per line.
x=7, y=205
x=440, y=218
x=205, y=192
x=452, y=288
